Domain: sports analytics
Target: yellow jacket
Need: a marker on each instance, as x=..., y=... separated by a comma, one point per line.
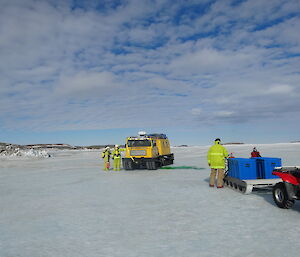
x=116, y=153
x=216, y=156
x=106, y=155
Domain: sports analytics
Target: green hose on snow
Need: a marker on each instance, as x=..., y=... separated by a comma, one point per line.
x=181, y=168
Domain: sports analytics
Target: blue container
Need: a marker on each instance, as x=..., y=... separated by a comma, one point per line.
x=242, y=168
x=260, y=167
x=231, y=167
x=266, y=165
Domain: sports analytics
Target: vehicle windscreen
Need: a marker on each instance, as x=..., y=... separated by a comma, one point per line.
x=136, y=143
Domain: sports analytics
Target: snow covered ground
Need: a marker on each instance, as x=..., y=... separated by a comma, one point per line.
x=67, y=206
x=9, y=151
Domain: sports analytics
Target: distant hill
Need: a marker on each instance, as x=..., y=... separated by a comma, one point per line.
x=234, y=143
x=59, y=146
x=66, y=146
x=52, y=146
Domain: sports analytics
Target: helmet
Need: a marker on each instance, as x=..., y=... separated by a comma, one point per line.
x=116, y=146
x=218, y=139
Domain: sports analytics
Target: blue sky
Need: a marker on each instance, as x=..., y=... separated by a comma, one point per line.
x=94, y=72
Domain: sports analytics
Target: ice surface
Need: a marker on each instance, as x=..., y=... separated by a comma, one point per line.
x=67, y=206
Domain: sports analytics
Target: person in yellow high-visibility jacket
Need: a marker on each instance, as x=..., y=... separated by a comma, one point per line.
x=116, y=155
x=216, y=160
x=106, y=158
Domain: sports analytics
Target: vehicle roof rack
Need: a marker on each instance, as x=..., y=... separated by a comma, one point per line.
x=156, y=135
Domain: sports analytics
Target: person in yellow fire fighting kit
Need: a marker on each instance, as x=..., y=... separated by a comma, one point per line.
x=106, y=158
x=216, y=160
x=116, y=155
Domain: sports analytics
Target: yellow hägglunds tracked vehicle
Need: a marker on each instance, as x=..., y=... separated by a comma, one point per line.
x=147, y=152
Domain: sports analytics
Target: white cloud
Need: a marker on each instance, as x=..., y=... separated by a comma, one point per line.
x=89, y=84
x=209, y=60
x=221, y=114
x=280, y=89
x=79, y=63
x=196, y=111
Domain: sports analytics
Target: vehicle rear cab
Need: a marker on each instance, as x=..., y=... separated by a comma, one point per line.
x=147, y=152
x=141, y=148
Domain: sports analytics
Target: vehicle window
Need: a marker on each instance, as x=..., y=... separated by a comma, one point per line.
x=137, y=143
